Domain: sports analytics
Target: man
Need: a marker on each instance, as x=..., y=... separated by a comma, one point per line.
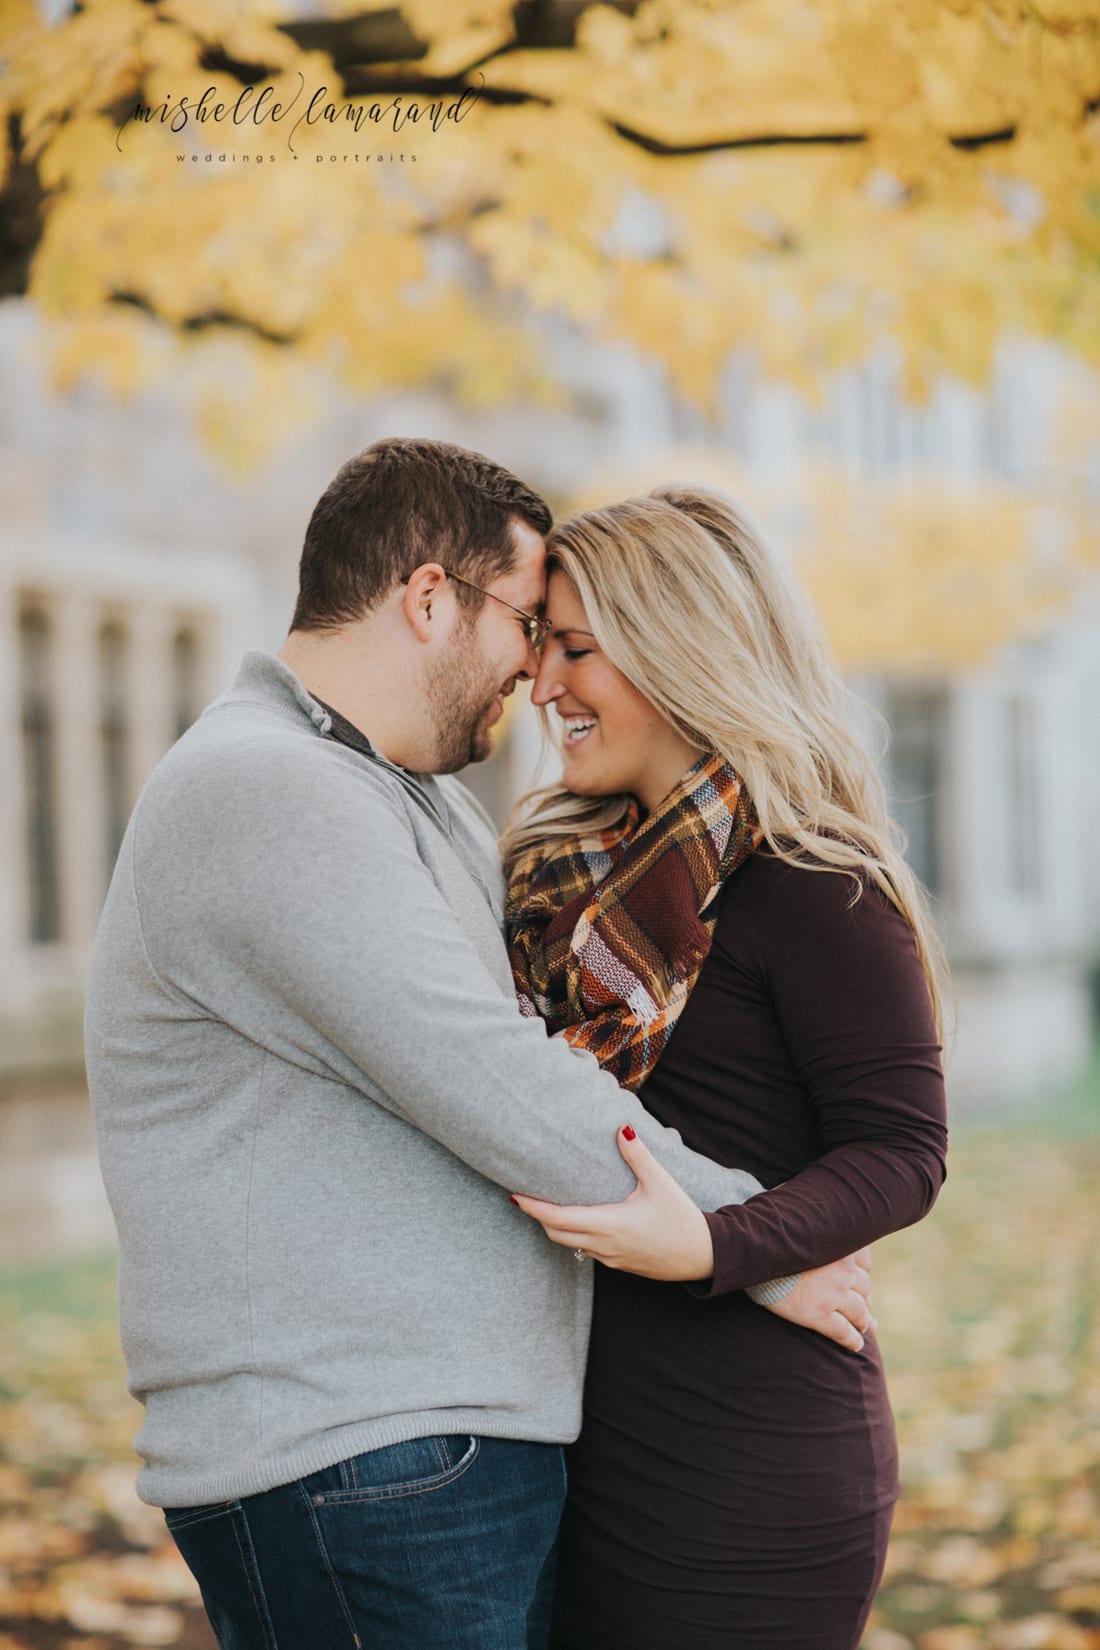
x=313, y=1093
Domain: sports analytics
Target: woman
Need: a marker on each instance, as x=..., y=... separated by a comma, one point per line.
x=712, y=902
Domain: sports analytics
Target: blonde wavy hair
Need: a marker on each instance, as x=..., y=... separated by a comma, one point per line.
x=685, y=598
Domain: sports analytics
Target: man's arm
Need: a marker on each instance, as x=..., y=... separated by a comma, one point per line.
x=658, y=1232
x=300, y=913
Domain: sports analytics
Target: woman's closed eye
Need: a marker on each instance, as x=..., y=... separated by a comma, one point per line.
x=572, y=653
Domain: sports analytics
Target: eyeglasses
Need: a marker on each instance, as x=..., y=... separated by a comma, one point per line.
x=537, y=629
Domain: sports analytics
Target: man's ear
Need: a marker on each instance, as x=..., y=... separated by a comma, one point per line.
x=424, y=587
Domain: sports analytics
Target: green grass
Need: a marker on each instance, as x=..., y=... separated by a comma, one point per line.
x=83, y=1291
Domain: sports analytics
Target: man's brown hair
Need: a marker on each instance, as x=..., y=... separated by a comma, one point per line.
x=396, y=505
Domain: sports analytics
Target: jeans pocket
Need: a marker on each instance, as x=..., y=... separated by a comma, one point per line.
x=182, y=1518
x=414, y=1467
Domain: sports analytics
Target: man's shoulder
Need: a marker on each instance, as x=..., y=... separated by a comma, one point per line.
x=245, y=760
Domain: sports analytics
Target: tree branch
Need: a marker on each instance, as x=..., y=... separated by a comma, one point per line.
x=21, y=213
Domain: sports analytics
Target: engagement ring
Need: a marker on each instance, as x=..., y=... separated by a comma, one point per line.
x=579, y=1254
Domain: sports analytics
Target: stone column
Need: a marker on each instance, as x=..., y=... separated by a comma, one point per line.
x=14, y=915
x=223, y=641
x=974, y=826
x=150, y=707
x=81, y=854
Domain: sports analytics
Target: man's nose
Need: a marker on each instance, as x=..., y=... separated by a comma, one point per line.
x=530, y=668
x=547, y=688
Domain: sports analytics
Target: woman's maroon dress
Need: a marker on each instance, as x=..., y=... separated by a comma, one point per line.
x=734, y=1481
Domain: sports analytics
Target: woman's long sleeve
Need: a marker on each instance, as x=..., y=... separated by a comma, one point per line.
x=851, y=1005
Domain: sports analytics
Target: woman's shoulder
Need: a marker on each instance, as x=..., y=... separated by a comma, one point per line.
x=769, y=900
x=811, y=879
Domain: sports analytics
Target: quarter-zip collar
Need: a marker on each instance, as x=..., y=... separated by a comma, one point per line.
x=265, y=677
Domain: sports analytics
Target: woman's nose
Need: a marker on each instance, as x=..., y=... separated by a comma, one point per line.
x=546, y=687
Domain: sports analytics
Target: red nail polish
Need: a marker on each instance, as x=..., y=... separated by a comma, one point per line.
x=628, y=1132
x=512, y=1200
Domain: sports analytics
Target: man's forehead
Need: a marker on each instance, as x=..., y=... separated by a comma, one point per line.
x=530, y=560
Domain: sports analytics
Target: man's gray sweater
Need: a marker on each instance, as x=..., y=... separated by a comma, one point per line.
x=313, y=1091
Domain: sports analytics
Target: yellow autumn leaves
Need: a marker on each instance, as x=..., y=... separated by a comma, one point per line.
x=989, y=1327
x=807, y=182
x=849, y=208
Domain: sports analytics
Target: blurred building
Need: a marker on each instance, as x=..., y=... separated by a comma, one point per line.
x=993, y=772
x=134, y=572
x=995, y=778
x=114, y=632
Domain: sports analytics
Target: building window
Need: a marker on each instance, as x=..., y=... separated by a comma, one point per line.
x=185, y=679
x=114, y=738
x=1022, y=813
x=39, y=778
x=918, y=724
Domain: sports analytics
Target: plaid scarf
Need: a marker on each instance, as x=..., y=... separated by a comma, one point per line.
x=607, y=933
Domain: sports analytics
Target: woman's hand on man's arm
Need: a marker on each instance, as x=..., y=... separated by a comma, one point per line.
x=657, y=1232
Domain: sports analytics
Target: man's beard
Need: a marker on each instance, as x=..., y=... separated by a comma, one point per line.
x=461, y=694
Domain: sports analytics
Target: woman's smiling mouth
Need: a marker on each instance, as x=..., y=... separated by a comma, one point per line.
x=578, y=728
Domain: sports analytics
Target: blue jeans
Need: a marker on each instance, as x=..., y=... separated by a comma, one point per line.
x=438, y=1544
